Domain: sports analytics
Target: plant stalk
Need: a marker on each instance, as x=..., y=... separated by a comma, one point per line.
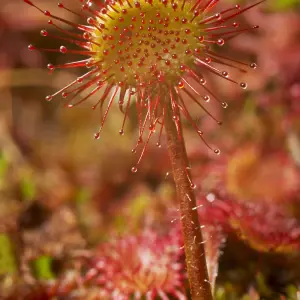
x=193, y=240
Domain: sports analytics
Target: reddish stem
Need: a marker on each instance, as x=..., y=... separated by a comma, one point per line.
x=193, y=240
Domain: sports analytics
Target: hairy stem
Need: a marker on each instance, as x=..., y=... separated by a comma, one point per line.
x=193, y=241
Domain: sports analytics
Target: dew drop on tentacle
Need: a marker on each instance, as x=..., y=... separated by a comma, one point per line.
x=220, y=42
x=181, y=84
x=217, y=151
x=49, y=98
x=243, y=85
x=225, y=74
x=206, y=98
x=44, y=32
x=31, y=47
x=224, y=104
x=50, y=67
x=202, y=81
x=97, y=135
x=193, y=186
x=63, y=49
x=134, y=169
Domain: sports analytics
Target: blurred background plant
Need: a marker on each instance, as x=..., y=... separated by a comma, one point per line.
x=65, y=197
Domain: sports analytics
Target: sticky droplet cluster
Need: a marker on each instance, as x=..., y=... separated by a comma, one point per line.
x=151, y=54
x=146, y=42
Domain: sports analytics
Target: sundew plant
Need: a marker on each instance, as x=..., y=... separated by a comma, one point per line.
x=150, y=54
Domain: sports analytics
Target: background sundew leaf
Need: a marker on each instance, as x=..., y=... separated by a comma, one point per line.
x=7, y=259
x=42, y=268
